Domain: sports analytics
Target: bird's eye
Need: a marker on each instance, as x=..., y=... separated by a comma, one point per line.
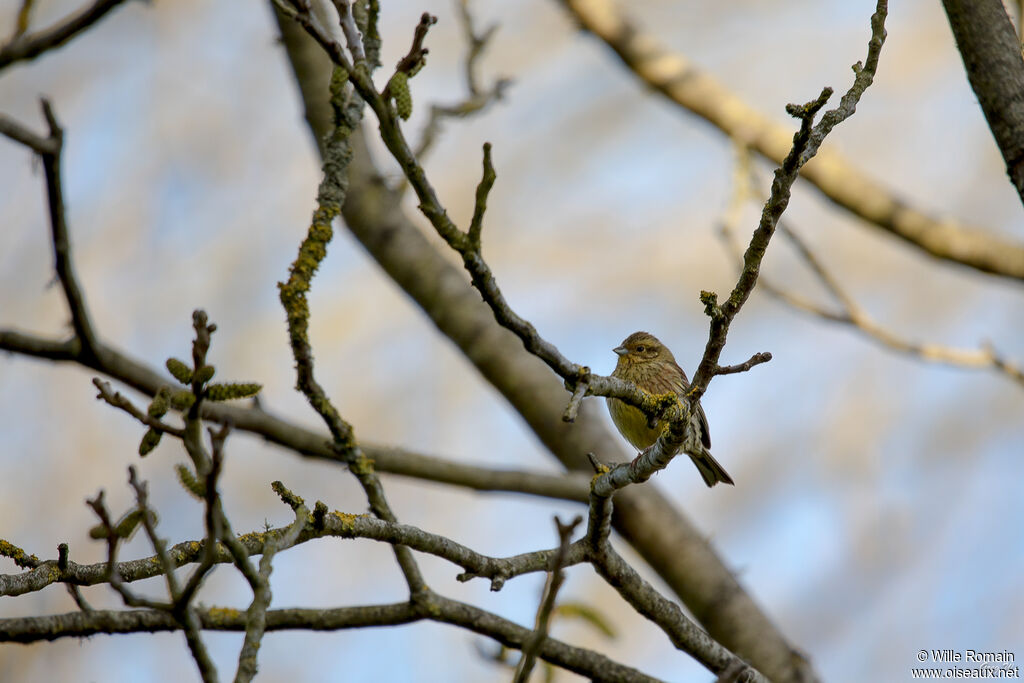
x=641, y=348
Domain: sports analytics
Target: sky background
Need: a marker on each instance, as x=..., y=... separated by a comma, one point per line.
x=877, y=510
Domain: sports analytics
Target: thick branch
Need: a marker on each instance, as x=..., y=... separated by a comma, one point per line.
x=995, y=68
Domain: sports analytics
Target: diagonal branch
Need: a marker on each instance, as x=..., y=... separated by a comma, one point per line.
x=850, y=312
x=684, y=634
x=478, y=99
x=547, y=604
x=256, y=616
x=992, y=58
x=805, y=145
x=31, y=45
x=677, y=78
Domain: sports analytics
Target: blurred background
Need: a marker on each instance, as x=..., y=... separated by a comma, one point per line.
x=877, y=510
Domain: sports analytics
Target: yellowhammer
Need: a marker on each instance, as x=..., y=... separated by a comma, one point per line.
x=647, y=363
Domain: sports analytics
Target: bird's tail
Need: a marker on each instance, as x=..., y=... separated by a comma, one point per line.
x=710, y=469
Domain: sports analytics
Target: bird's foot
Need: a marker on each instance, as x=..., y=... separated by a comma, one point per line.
x=641, y=454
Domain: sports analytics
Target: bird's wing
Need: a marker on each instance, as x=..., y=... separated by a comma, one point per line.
x=705, y=435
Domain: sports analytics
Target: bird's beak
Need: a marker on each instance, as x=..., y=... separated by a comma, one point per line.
x=621, y=350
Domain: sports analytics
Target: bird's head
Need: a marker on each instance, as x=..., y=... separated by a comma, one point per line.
x=641, y=347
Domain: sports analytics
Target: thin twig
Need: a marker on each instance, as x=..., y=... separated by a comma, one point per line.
x=31, y=45
x=73, y=590
x=24, y=18
x=113, y=538
x=645, y=599
x=256, y=616
x=554, y=582
x=477, y=99
x=756, y=359
x=805, y=145
x=119, y=401
x=352, y=35
x=49, y=150
x=159, y=545
x=80, y=318
x=850, y=312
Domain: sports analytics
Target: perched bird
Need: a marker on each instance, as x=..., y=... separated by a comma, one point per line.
x=647, y=363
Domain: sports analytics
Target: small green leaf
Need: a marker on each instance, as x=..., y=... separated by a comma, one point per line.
x=189, y=482
x=204, y=374
x=125, y=527
x=591, y=615
x=401, y=94
x=159, y=405
x=228, y=392
x=182, y=399
x=149, y=441
x=179, y=370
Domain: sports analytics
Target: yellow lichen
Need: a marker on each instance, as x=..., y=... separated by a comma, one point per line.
x=224, y=615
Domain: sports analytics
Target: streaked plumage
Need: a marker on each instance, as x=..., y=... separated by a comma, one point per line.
x=647, y=363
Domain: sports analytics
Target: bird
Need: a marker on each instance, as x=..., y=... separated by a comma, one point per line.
x=647, y=363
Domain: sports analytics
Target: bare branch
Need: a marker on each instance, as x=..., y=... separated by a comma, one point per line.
x=554, y=582
x=476, y=225
x=17, y=132
x=677, y=78
x=118, y=400
x=24, y=14
x=850, y=312
x=991, y=53
x=684, y=634
x=29, y=46
x=256, y=617
x=417, y=51
x=330, y=196
x=756, y=359
x=352, y=35
x=339, y=525
x=644, y=598
x=73, y=590
x=579, y=392
x=113, y=538
x=478, y=98
x=805, y=144
x=50, y=149
x=433, y=607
